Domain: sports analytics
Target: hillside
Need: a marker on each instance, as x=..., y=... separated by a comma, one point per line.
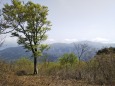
x=56, y=50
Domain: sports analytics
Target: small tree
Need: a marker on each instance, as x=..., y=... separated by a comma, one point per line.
x=68, y=62
x=68, y=59
x=81, y=50
x=29, y=23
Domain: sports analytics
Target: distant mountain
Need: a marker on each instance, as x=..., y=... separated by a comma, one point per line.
x=14, y=53
x=56, y=50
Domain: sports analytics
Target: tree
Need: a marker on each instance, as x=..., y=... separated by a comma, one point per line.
x=68, y=62
x=29, y=23
x=81, y=50
x=68, y=59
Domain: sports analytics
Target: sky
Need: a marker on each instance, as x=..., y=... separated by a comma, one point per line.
x=78, y=20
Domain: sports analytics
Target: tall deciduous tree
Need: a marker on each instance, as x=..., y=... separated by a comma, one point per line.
x=29, y=23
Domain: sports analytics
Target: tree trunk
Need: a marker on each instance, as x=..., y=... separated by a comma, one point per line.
x=35, y=66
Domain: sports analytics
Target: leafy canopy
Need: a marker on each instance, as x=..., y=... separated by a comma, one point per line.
x=29, y=23
x=68, y=59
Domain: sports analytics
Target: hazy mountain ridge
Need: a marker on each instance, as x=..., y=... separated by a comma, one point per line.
x=56, y=50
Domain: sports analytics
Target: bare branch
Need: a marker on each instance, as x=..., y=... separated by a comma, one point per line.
x=81, y=49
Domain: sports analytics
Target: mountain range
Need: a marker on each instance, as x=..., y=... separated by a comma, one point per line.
x=55, y=51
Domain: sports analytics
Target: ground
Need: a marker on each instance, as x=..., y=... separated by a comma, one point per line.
x=30, y=80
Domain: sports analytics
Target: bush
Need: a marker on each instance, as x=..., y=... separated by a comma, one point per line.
x=101, y=69
x=24, y=64
x=49, y=68
x=68, y=59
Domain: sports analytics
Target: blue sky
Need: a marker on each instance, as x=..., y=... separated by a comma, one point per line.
x=78, y=20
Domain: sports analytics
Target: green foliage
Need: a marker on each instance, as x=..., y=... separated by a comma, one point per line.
x=67, y=64
x=68, y=59
x=29, y=23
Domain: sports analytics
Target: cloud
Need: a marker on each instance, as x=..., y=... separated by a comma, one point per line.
x=102, y=40
x=10, y=41
x=70, y=40
x=50, y=41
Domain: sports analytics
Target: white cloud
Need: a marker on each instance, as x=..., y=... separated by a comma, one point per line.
x=50, y=41
x=70, y=40
x=10, y=42
x=102, y=40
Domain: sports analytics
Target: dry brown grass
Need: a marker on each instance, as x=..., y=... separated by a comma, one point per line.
x=9, y=77
x=30, y=80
